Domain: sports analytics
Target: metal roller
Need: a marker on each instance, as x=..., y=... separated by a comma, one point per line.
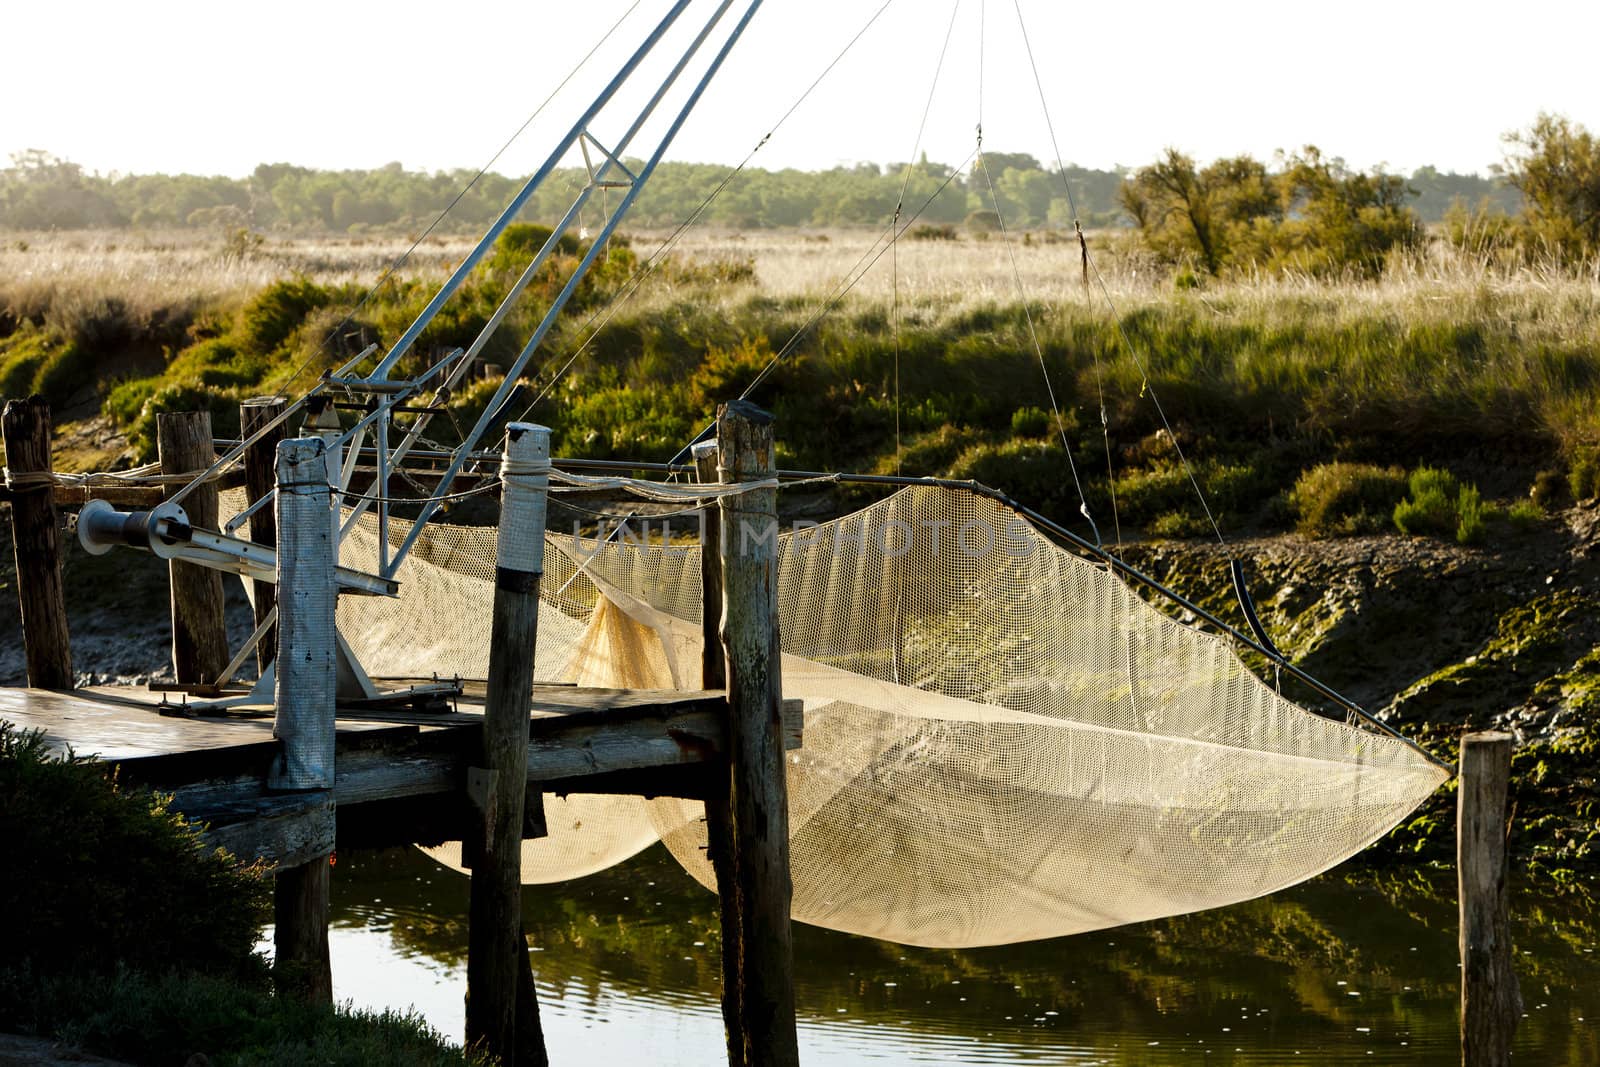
x=163, y=529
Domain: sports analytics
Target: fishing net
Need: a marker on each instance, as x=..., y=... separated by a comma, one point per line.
x=1002, y=742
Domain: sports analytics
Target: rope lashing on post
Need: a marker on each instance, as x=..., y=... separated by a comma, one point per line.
x=147, y=475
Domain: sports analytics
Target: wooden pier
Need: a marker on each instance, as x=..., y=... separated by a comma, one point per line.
x=401, y=774
x=286, y=778
x=300, y=768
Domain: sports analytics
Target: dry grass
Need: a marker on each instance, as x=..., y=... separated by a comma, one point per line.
x=972, y=271
x=154, y=273
x=184, y=269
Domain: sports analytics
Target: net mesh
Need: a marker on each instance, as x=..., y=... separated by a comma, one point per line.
x=1002, y=740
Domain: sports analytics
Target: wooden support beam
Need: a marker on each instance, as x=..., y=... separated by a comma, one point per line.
x=719, y=816
x=502, y=1010
x=566, y=752
x=300, y=910
x=305, y=681
x=1491, y=1003
x=199, y=629
x=260, y=476
x=764, y=1025
x=285, y=831
x=36, y=536
x=713, y=664
x=128, y=497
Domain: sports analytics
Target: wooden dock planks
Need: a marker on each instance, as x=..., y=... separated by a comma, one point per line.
x=580, y=740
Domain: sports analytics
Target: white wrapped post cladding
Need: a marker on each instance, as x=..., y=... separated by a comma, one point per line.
x=525, y=481
x=307, y=665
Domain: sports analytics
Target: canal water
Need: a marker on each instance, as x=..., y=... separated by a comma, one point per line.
x=1339, y=970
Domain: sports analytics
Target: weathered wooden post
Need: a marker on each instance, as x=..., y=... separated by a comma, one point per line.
x=199, y=629
x=304, y=688
x=758, y=791
x=719, y=818
x=36, y=539
x=502, y=1010
x=1491, y=1003
x=260, y=475
x=713, y=665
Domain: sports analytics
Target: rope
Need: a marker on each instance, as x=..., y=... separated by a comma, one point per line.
x=465, y=189
x=606, y=313
x=1116, y=319
x=487, y=487
x=147, y=475
x=1022, y=293
x=900, y=202
x=857, y=271
x=662, y=492
x=1038, y=349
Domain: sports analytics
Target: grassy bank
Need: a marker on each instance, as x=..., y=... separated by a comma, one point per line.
x=127, y=937
x=1445, y=398
x=1491, y=374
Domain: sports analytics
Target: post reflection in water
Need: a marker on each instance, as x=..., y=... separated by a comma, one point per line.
x=627, y=968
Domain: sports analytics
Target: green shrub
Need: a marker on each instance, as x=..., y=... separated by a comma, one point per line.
x=1469, y=516
x=1031, y=422
x=725, y=373
x=21, y=356
x=161, y=1018
x=1033, y=472
x=930, y=453
x=1525, y=514
x=269, y=320
x=983, y=222
x=176, y=396
x=1549, y=490
x=97, y=876
x=932, y=232
x=65, y=374
x=1440, y=506
x=1164, y=495
x=1430, y=510
x=127, y=398
x=94, y=322
x=1344, y=499
x=1180, y=524
x=1583, y=476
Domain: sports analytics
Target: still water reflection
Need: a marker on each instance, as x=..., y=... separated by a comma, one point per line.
x=1328, y=972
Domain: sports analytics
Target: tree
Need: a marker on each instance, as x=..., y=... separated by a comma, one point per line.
x=1189, y=214
x=1339, y=219
x=1555, y=163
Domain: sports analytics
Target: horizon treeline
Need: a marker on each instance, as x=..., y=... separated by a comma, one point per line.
x=40, y=191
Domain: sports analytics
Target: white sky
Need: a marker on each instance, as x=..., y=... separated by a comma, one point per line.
x=217, y=87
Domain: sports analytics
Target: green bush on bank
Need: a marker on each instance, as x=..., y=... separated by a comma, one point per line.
x=166, y=1017
x=127, y=936
x=1344, y=499
x=97, y=875
x=1441, y=506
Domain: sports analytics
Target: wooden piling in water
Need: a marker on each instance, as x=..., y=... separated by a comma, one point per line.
x=304, y=688
x=36, y=540
x=719, y=817
x=758, y=791
x=1491, y=1003
x=260, y=475
x=502, y=1009
x=199, y=628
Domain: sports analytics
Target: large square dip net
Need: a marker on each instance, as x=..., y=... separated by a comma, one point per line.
x=1003, y=741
